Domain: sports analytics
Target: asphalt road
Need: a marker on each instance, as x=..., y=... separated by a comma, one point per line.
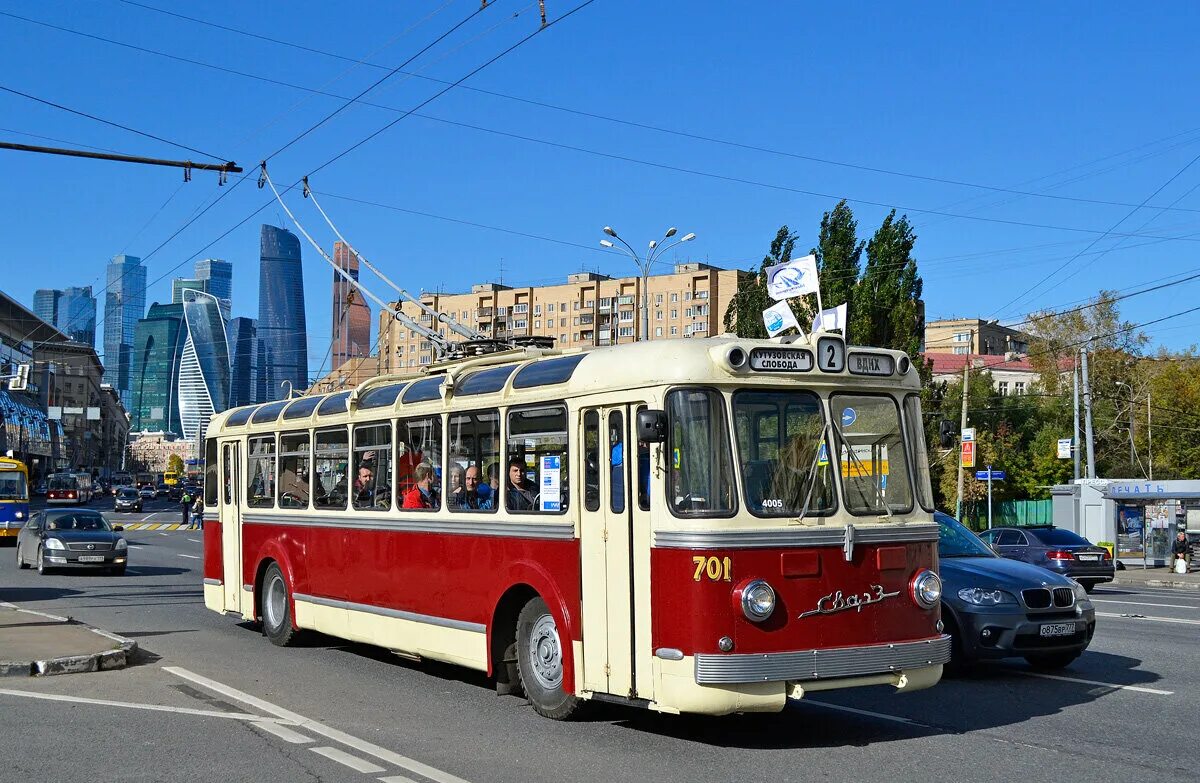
x=209, y=695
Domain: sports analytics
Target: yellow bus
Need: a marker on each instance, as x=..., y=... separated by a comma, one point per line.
x=14, y=496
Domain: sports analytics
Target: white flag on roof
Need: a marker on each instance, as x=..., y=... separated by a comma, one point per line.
x=828, y=320
x=795, y=278
x=779, y=317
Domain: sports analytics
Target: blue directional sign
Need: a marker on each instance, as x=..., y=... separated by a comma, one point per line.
x=849, y=416
x=995, y=475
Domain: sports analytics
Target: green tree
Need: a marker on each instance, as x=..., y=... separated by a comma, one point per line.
x=839, y=253
x=743, y=317
x=175, y=464
x=1173, y=383
x=886, y=309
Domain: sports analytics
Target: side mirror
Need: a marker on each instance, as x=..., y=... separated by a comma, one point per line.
x=118, y=528
x=651, y=426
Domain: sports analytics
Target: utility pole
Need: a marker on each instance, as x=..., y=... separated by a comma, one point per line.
x=1149, y=438
x=1087, y=417
x=963, y=426
x=1075, y=405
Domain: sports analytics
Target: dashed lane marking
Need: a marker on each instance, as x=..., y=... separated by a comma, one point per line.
x=137, y=706
x=283, y=732
x=190, y=557
x=353, y=762
x=1138, y=688
x=1176, y=620
x=868, y=713
x=396, y=779
x=295, y=719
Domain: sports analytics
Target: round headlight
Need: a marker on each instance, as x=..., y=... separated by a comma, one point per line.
x=20, y=515
x=54, y=543
x=758, y=601
x=926, y=589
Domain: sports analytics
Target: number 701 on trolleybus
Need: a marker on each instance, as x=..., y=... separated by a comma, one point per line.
x=711, y=526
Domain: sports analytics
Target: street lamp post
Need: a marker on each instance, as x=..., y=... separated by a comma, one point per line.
x=654, y=251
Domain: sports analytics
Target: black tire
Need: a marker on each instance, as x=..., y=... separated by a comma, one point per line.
x=20, y=560
x=540, y=663
x=1052, y=661
x=42, y=568
x=959, y=664
x=276, y=608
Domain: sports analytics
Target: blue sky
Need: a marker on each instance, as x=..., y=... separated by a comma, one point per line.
x=1086, y=102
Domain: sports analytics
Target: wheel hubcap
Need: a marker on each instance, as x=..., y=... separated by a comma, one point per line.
x=276, y=602
x=545, y=652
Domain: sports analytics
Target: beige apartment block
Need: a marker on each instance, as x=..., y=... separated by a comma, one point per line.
x=150, y=451
x=966, y=336
x=587, y=310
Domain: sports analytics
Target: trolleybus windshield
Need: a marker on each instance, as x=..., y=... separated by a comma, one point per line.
x=872, y=453
x=782, y=453
x=13, y=486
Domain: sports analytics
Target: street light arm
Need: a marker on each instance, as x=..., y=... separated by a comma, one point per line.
x=664, y=248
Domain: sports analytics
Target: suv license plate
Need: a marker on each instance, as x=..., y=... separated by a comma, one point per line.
x=100, y=559
x=1057, y=629
x=1089, y=558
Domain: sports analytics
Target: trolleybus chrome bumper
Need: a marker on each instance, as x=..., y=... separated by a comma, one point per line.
x=822, y=664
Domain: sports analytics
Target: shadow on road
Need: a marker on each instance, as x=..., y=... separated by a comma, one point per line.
x=19, y=595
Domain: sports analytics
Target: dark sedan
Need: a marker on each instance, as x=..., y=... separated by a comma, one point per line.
x=71, y=538
x=999, y=608
x=1056, y=549
x=128, y=499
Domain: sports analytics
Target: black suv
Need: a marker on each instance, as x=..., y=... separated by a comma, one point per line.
x=1056, y=549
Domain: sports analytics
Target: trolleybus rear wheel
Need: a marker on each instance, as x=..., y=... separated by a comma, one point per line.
x=540, y=662
x=276, y=609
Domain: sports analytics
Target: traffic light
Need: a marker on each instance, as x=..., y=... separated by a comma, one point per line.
x=20, y=382
x=947, y=431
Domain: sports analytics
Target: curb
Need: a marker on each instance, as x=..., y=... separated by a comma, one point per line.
x=70, y=664
x=1169, y=583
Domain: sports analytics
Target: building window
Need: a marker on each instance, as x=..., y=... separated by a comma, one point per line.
x=658, y=331
x=605, y=303
x=687, y=313
x=537, y=309
x=575, y=305
x=501, y=311
x=520, y=324
x=562, y=322
x=537, y=324
x=962, y=337
x=699, y=326
x=1019, y=387
x=674, y=313
x=675, y=297
x=562, y=338
x=625, y=331
x=674, y=330
x=962, y=349
x=1002, y=387
x=702, y=294
x=658, y=315
x=687, y=296
x=520, y=308
x=589, y=304
x=658, y=299
x=550, y=307
x=626, y=315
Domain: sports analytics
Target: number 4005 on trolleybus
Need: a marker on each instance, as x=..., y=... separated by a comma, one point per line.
x=707, y=526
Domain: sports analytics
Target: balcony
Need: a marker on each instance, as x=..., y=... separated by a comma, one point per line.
x=483, y=312
x=586, y=319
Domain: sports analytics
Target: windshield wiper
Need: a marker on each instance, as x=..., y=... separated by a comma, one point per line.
x=855, y=461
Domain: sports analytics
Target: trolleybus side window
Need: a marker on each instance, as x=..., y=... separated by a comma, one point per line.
x=643, y=470
x=228, y=453
x=472, y=461
x=872, y=452
x=782, y=453
x=616, y=462
x=591, y=460
x=914, y=425
x=700, y=481
x=331, y=466
x=260, y=459
x=535, y=480
x=210, y=472
x=295, y=462
x=373, y=466
x=419, y=463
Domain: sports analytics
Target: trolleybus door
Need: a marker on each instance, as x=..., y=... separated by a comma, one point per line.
x=607, y=541
x=231, y=526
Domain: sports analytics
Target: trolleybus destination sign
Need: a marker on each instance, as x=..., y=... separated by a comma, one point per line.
x=781, y=359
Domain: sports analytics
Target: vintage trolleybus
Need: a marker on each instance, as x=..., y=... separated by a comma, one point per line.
x=706, y=526
x=14, y=497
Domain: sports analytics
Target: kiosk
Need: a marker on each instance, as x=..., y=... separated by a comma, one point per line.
x=1141, y=517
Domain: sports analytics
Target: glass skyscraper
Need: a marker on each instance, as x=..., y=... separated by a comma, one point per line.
x=243, y=388
x=45, y=304
x=124, y=306
x=217, y=276
x=203, y=364
x=157, y=350
x=70, y=310
x=282, y=333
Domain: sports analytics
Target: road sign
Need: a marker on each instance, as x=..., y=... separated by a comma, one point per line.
x=994, y=475
x=967, y=456
x=968, y=435
x=1064, y=448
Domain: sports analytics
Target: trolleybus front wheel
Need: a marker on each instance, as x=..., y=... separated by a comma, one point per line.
x=540, y=662
x=276, y=609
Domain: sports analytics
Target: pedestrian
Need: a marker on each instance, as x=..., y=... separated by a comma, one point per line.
x=198, y=513
x=1181, y=549
x=185, y=503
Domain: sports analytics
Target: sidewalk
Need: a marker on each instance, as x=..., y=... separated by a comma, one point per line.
x=33, y=644
x=1157, y=577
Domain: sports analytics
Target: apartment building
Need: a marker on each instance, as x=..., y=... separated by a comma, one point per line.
x=587, y=310
x=973, y=336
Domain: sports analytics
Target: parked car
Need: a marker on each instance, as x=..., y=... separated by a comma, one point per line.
x=147, y=493
x=994, y=607
x=128, y=499
x=1056, y=549
x=71, y=538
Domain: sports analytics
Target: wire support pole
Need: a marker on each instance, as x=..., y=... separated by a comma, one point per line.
x=225, y=168
x=428, y=334
x=449, y=321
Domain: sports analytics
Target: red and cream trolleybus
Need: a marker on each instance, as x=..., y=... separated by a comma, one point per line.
x=709, y=526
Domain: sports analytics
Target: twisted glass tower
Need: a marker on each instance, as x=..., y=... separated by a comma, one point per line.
x=203, y=364
x=281, y=333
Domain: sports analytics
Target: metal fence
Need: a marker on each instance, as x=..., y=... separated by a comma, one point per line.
x=1007, y=512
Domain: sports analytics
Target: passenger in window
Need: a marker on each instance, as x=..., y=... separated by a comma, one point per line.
x=422, y=494
x=455, y=490
x=473, y=496
x=520, y=496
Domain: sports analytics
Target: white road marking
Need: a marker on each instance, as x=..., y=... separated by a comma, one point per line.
x=1139, y=603
x=137, y=706
x=880, y=715
x=291, y=718
x=1138, y=688
x=191, y=557
x=162, y=534
x=147, y=518
x=1151, y=619
x=134, y=546
x=194, y=540
x=397, y=779
x=283, y=732
x=353, y=762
